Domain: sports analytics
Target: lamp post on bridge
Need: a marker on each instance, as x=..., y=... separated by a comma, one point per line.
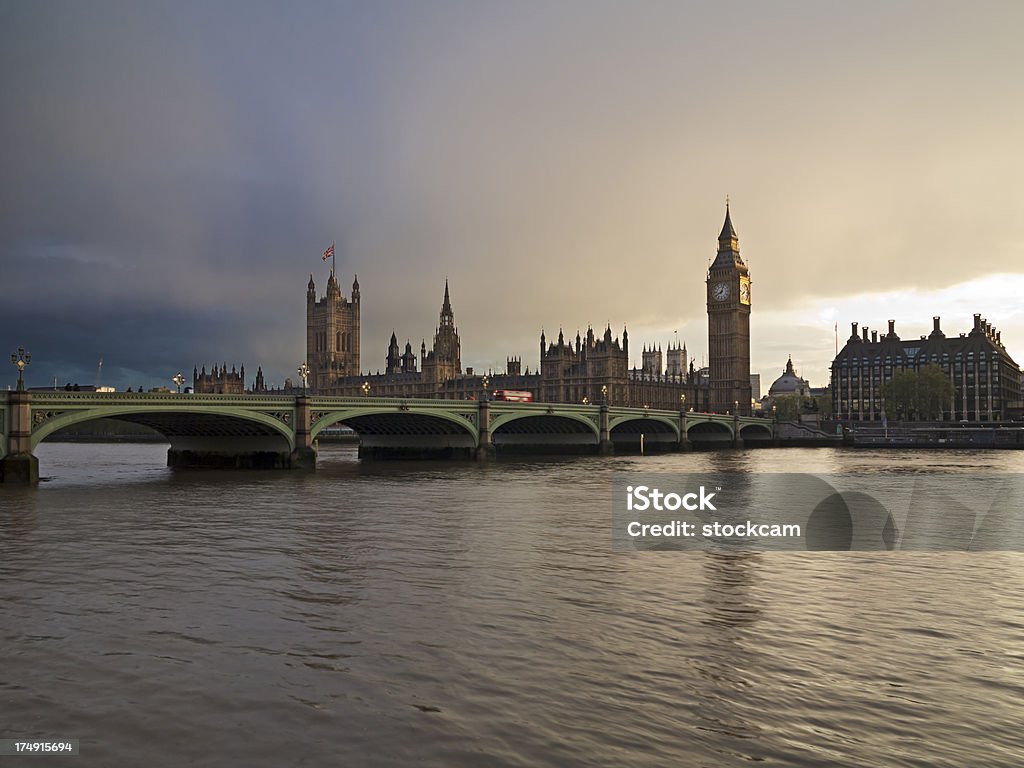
x=485, y=384
x=366, y=389
x=178, y=379
x=604, y=394
x=21, y=358
x=303, y=371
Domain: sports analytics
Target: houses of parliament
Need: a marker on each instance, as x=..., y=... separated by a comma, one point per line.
x=590, y=368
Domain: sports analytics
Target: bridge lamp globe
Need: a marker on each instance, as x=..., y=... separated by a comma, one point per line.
x=366, y=388
x=21, y=358
x=604, y=392
x=178, y=379
x=303, y=371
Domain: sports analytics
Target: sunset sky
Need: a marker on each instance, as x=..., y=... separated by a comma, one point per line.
x=171, y=173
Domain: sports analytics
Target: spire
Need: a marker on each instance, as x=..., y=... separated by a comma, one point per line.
x=447, y=316
x=789, y=366
x=728, y=245
x=728, y=240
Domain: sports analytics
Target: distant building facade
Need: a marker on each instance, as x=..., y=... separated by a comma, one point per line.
x=728, y=300
x=789, y=383
x=219, y=381
x=332, y=333
x=986, y=381
x=591, y=369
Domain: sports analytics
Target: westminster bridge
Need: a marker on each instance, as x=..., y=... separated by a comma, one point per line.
x=280, y=431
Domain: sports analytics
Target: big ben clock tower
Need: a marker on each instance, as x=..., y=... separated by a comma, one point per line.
x=729, y=325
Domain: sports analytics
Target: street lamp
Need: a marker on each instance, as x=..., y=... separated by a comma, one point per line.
x=179, y=380
x=736, y=407
x=303, y=371
x=586, y=400
x=775, y=417
x=485, y=382
x=604, y=394
x=21, y=358
x=366, y=388
x=682, y=401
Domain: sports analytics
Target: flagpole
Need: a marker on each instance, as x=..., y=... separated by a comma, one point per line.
x=333, y=257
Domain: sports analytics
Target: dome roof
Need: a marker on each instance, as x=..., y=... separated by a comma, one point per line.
x=789, y=383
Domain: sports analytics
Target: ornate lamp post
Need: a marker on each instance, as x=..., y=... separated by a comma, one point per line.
x=21, y=358
x=604, y=393
x=586, y=400
x=178, y=379
x=736, y=407
x=366, y=389
x=485, y=384
x=682, y=401
x=303, y=371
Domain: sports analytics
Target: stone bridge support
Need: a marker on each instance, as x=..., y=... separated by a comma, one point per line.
x=606, y=447
x=304, y=455
x=19, y=465
x=684, y=439
x=485, y=444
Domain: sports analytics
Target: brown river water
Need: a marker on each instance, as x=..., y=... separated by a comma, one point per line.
x=435, y=614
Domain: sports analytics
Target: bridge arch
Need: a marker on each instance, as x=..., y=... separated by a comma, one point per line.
x=369, y=420
x=710, y=433
x=756, y=433
x=179, y=423
x=552, y=417
x=646, y=423
x=549, y=430
x=405, y=431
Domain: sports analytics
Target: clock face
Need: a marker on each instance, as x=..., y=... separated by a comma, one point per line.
x=720, y=292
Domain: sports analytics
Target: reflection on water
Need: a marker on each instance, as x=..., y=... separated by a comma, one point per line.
x=450, y=615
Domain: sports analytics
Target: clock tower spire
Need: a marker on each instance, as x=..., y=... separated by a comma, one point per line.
x=728, y=296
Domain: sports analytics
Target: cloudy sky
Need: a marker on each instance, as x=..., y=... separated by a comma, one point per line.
x=170, y=173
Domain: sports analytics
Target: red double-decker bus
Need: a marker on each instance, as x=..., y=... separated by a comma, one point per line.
x=513, y=395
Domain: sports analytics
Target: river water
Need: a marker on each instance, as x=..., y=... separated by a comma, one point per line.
x=461, y=615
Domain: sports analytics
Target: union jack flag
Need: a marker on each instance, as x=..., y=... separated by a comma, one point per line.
x=329, y=253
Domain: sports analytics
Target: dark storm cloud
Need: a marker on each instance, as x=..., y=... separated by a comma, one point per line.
x=175, y=169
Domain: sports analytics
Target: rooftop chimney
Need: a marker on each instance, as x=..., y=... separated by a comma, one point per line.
x=892, y=327
x=864, y=333
x=935, y=324
x=874, y=337
x=853, y=330
x=977, y=321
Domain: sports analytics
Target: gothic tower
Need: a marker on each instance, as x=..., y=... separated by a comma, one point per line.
x=729, y=325
x=444, y=361
x=332, y=334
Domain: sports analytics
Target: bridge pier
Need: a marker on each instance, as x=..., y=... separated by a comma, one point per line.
x=684, y=438
x=19, y=466
x=304, y=455
x=191, y=458
x=485, y=443
x=605, y=447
